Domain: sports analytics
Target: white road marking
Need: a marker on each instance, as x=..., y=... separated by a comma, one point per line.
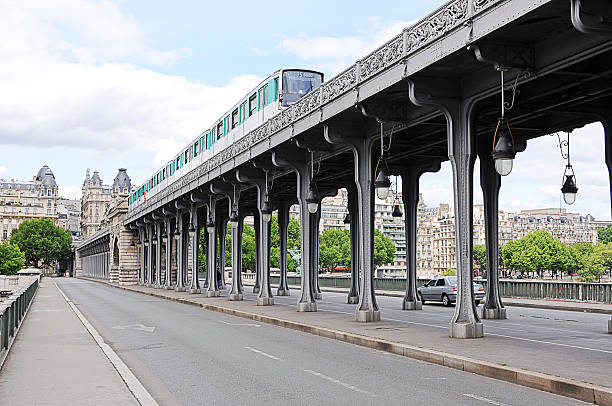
x=551, y=343
x=134, y=385
x=47, y=310
x=137, y=326
x=265, y=354
x=239, y=324
x=334, y=380
x=489, y=401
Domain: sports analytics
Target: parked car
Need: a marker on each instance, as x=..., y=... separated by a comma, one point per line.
x=444, y=289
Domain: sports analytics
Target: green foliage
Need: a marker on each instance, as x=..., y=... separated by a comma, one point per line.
x=11, y=259
x=480, y=257
x=383, y=249
x=248, y=248
x=42, y=242
x=604, y=235
x=334, y=248
x=449, y=272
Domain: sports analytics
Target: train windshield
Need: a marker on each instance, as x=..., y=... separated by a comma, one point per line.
x=297, y=83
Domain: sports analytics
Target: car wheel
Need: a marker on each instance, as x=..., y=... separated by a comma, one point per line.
x=445, y=300
x=421, y=298
x=477, y=302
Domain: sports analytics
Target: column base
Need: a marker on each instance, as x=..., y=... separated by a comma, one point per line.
x=610, y=326
x=412, y=305
x=168, y=287
x=367, y=316
x=235, y=296
x=265, y=301
x=353, y=300
x=180, y=289
x=255, y=289
x=148, y=285
x=307, y=307
x=318, y=296
x=494, y=314
x=212, y=293
x=466, y=330
x=195, y=291
x=282, y=292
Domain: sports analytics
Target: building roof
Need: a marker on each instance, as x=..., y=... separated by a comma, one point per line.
x=46, y=177
x=122, y=179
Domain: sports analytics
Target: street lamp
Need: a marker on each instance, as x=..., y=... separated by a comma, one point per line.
x=312, y=198
x=568, y=187
x=210, y=226
x=164, y=236
x=397, y=214
x=234, y=218
x=347, y=218
x=192, y=231
x=382, y=184
x=503, y=142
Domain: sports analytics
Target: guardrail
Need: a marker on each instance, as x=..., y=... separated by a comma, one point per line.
x=581, y=291
x=12, y=311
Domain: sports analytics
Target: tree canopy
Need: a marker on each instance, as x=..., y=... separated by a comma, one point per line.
x=11, y=258
x=604, y=235
x=42, y=242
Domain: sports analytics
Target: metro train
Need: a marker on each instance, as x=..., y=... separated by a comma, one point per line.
x=278, y=91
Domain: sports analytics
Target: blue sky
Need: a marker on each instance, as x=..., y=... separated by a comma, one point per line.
x=103, y=85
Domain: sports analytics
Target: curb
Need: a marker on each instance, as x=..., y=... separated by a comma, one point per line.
x=591, y=393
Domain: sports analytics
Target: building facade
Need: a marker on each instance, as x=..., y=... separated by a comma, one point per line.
x=27, y=200
x=97, y=198
x=69, y=215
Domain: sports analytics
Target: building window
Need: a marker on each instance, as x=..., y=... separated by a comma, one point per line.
x=4, y=234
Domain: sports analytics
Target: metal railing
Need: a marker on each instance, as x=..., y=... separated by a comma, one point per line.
x=12, y=311
x=580, y=291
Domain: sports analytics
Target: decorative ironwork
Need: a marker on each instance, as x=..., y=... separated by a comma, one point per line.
x=432, y=27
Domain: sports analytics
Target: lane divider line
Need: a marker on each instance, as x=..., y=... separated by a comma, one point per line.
x=141, y=394
x=334, y=380
x=265, y=354
x=489, y=401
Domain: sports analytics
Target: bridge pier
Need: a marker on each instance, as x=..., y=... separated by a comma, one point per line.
x=295, y=161
x=283, y=226
x=194, y=235
x=141, y=254
x=362, y=148
x=607, y=124
x=260, y=180
x=410, y=195
x=490, y=182
x=180, y=247
x=237, y=228
x=212, y=290
x=256, y=229
x=353, y=295
x=222, y=238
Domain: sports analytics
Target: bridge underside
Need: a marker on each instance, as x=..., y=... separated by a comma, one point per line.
x=445, y=107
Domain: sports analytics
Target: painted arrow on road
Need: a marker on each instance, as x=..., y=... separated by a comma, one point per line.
x=138, y=326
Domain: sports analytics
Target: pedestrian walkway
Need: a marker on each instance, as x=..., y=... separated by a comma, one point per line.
x=55, y=360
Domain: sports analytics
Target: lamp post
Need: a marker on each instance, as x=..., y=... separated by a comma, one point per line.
x=503, y=142
x=568, y=187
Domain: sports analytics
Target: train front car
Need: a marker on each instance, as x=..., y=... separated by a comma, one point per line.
x=278, y=91
x=297, y=83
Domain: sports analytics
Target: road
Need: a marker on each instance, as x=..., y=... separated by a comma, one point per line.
x=188, y=356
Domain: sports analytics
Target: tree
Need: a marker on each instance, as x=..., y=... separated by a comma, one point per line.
x=11, y=259
x=42, y=242
x=449, y=272
x=248, y=248
x=604, y=235
x=480, y=257
x=384, y=250
x=334, y=248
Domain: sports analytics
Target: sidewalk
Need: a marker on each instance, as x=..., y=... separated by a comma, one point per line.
x=563, y=370
x=55, y=360
x=552, y=304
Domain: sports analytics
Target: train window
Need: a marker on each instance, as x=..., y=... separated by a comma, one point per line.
x=219, y=130
x=186, y=156
x=243, y=115
x=252, y=104
x=164, y=174
x=195, y=149
x=178, y=162
x=234, y=118
x=263, y=96
x=226, y=126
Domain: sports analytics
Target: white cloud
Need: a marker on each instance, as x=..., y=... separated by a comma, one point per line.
x=2, y=170
x=74, y=75
x=70, y=192
x=336, y=53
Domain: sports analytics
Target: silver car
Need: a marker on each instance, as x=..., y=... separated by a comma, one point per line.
x=444, y=289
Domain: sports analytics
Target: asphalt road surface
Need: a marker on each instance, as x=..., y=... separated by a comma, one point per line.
x=188, y=356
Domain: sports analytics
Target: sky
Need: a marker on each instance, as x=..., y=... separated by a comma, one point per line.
x=126, y=84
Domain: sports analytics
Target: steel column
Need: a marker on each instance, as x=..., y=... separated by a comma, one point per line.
x=316, y=289
x=256, y=228
x=607, y=124
x=410, y=197
x=490, y=182
x=180, y=256
x=195, y=242
x=168, y=281
x=353, y=295
x=283, y=226
x=212, y=290
x=236, y=292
